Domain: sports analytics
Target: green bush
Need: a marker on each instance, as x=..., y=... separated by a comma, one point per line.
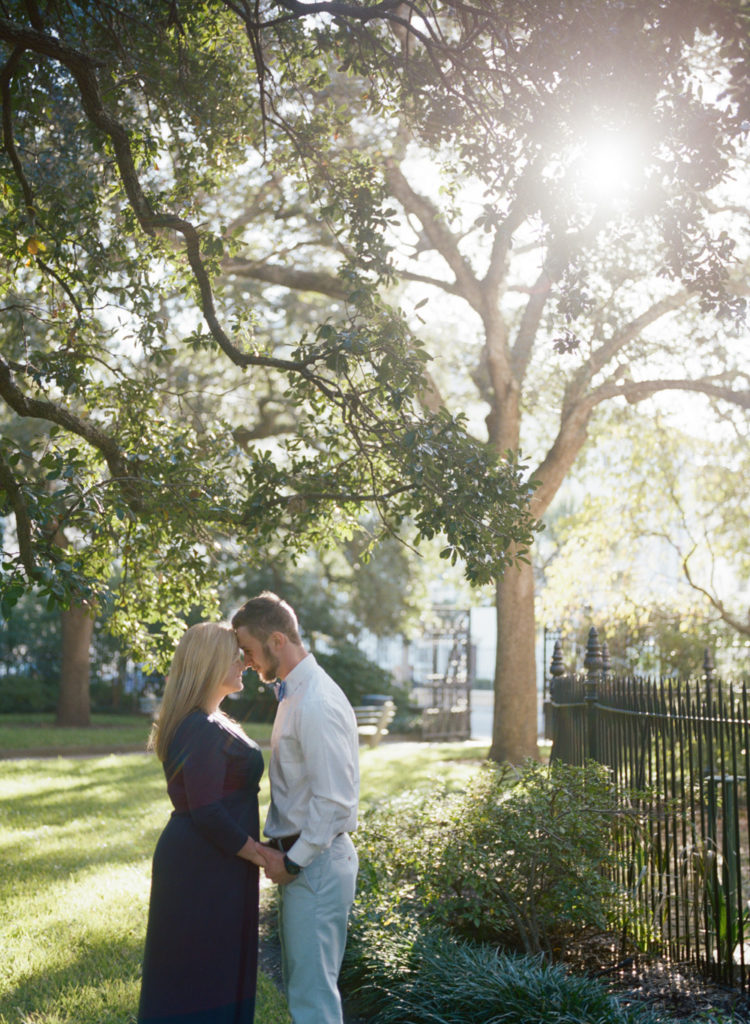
x=23, y=693
x=520, y=860
x=109, y=698
x=483, y=684
x=256, y=703
x=354, y=672
x=416, y=974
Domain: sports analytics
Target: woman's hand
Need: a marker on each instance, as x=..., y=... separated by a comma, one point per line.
x=255, y=852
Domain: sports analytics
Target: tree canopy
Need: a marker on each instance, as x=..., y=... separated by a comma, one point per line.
x=569, y=204
x=120, y=122
x=560, y=171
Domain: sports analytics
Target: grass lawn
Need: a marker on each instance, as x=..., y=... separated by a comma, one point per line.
x=37, y=734
x=76, y=838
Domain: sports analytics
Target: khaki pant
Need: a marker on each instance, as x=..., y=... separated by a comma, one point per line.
x=313, y=915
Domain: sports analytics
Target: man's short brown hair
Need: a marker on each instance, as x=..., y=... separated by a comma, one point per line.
x=265, y=614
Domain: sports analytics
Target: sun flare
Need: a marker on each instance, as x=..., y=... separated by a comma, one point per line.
x=608, y=163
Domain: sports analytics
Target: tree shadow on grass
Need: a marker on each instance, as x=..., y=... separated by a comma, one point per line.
x=98, y=984
x=110, y=817
x=88, y=788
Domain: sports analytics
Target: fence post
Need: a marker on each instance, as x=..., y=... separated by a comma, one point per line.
x=555, y=729
x=593, y=664
x=708, y=665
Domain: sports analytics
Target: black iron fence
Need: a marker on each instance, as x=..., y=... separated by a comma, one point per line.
x=680, y=751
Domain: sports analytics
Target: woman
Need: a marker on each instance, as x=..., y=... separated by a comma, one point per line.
x=200, y=960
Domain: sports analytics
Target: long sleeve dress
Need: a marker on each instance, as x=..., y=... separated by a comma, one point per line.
x=201, y=952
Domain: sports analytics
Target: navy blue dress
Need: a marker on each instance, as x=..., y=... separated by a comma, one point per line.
x=201, y=954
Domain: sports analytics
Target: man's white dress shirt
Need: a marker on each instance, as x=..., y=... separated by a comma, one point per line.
x=314, y=768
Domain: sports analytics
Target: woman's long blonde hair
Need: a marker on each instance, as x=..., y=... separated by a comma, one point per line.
x=201, y=662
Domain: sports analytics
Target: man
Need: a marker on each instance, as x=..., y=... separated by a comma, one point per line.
x=314, y=775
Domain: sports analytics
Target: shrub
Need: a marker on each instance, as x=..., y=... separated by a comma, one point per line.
x=417, y=974
x=354, y=672
x=109, y=698
x=23, y=693
x=256, y=703
x=517, y=860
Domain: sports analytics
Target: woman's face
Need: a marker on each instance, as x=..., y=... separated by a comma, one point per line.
x=233, y=681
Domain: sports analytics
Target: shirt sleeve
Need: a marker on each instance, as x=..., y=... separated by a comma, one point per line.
x=325, y=736
x=204, y=763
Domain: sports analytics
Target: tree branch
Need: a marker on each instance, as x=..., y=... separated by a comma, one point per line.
x=742, y=627
x=530, y=320
x=637, y=391
x=561, y=251
x=9, y=484
x=83, y=69
x=289, y=277
x=578, y=384
x=8, y=70
x=446, y=286
x=119, y=466
x=506, y=228
x=439, y=235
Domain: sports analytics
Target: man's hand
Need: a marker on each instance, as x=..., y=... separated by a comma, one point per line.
x=275, y=869
x=255, y=852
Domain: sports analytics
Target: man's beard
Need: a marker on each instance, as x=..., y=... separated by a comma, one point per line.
x=269, y=672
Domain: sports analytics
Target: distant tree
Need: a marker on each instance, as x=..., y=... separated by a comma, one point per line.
x=655, y=548
x=336, y=593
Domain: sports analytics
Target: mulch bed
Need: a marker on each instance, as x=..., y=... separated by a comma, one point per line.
x=669, y=989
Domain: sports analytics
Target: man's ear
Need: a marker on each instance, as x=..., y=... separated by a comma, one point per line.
x=276, y=641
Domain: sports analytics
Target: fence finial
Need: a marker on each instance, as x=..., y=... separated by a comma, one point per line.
x=593, y=660
x=605, y=659
x=557, y=665
x=708, y=664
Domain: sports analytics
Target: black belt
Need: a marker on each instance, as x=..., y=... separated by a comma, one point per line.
x=284, y=843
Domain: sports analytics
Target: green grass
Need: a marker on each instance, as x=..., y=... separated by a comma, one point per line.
x=76, y=838
x=394, y=766
x=36, y=735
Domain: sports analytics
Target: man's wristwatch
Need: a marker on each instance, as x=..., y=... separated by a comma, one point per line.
x=291, y=867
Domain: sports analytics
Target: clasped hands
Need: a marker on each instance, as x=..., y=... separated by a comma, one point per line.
x=268, y=858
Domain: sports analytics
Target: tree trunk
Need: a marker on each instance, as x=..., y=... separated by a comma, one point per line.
x=74, y=704
x=514, y=729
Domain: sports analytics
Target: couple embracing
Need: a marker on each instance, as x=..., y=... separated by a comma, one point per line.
x=200, y=960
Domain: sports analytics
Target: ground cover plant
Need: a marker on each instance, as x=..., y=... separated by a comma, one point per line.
x=423, y=974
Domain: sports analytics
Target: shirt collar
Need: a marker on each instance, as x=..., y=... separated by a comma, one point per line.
x=301, y=672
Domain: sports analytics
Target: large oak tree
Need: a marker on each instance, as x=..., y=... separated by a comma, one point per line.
x=588, y=216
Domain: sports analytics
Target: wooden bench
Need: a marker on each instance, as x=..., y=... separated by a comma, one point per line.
x=373, y=721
